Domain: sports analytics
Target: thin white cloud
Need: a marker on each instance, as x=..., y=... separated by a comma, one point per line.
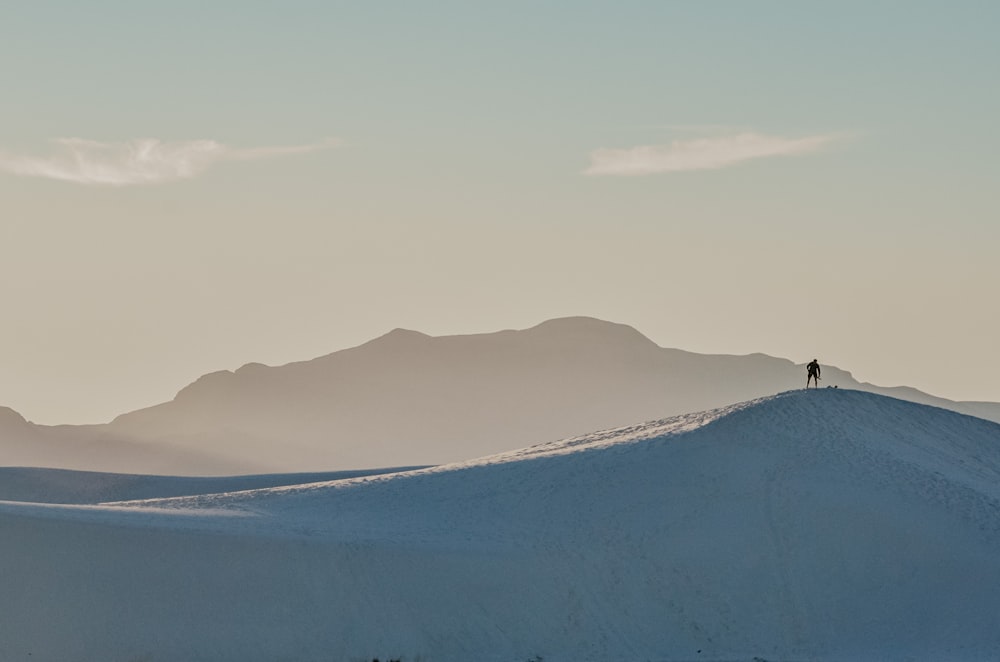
x=144, y=161
x=699, y=154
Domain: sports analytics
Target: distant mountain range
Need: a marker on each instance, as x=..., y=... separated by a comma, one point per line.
x=406, y=398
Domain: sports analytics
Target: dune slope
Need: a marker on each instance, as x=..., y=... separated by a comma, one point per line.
x=831, y=524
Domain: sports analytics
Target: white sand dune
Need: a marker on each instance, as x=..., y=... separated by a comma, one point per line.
x=829, y=525
x=91, y=487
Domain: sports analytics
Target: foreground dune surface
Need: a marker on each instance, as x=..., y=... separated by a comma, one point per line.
x=830, y=524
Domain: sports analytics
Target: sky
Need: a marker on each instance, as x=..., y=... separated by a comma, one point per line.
x=187, y=186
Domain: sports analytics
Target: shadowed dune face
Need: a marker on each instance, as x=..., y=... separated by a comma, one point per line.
x=409, y=398
x=826, y=525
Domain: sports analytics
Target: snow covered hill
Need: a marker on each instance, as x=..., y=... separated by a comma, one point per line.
x=827, y=525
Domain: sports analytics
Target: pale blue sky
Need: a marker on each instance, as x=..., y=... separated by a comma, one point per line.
x=456, y=202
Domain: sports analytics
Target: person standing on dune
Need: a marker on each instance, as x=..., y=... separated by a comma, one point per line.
x=812, y=373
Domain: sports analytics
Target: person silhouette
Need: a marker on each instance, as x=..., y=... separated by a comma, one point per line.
x=812, y=370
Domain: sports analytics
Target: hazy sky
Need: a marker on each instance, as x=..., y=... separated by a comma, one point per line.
x=191, y=186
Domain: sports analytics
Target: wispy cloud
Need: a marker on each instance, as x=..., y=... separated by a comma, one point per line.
x=144, y=161
x=699, y=154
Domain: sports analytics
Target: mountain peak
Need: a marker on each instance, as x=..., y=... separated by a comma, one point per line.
x=9, y=417
x=400, y=336
x=590, y=328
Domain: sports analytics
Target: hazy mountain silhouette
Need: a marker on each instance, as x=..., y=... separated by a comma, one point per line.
x=409, y=398
x=96, y=448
